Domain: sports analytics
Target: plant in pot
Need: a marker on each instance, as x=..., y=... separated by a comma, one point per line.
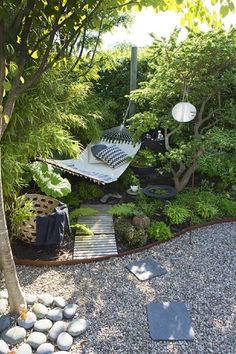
x=154, y=140
x=144, y=162
x=134, y=184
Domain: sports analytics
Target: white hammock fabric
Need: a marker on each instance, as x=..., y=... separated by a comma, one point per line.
x=96, y=170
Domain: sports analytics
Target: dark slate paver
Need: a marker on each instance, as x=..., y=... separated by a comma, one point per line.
x=145, y=269
x=169, y=321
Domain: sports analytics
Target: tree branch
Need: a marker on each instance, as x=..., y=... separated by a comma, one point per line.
x=2, y=55
x=168, y=135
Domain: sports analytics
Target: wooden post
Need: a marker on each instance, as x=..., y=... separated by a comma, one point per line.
x=133, y=77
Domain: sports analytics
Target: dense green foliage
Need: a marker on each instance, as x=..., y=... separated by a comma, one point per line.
x=185, y=71
x=19, y=212
x=128, y=233
x=159, y=231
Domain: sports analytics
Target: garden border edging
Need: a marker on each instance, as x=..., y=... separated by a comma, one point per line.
x=40, y=263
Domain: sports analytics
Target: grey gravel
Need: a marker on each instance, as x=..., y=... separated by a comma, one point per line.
x=201, y=275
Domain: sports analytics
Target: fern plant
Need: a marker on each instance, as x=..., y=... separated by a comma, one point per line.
x=82, y=229
x=124, y=209
x=74, y=214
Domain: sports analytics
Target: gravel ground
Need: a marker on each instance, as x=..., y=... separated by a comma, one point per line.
x=201, y=274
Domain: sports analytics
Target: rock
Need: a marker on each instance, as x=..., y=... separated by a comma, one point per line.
x=30, y=299
x=28, y=322
x=35, y=339
x=24, y=349
x=55, y=314
x=56, y=329
x=70, y=310
x=4, y=349
x=46, y=299
x=64, y=341
x=43, y=325
x=77, y=327
x=59, y=301
x=3, y=294
x=62, y=352
x=141, y=221
x=5, y=322
x=40, y=310
x=105, y=198
x=14, y=335
x=3, y=305
x=46, y=348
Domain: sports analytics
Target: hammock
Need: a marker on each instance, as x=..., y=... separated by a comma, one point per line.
x=95, y=169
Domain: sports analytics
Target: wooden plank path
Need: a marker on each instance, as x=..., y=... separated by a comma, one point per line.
x=103, y=242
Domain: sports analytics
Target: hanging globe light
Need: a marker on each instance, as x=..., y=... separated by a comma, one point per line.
x=184, y=112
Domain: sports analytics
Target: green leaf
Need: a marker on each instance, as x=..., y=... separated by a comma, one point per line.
x=7, y=85
x=13, y=68
x=22, y=80
x=224, y=10
x=34, y=55
x=1, y=108
x=6, y=118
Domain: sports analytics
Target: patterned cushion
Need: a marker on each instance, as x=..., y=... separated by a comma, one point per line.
x=113, y=156
x=95, y=149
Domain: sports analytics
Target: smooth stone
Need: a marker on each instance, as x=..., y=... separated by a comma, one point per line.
x=40, y=310
x=30, y=299
x=35, y=339
x=64, y=341
x=55, y=314
x=46, y=299
x=3, y=305
x=43, y=325
x=28, y=322
x=3, y=294
x=14, y=335
x=70, y=310
x=4, y=349
x=5, y=322
x=62, y=352
x=46, y=348
x=77, y=327
x=56, y=329
x=24, y=349
x=60, y=301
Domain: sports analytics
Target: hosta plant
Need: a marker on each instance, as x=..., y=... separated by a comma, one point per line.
x=49, y=182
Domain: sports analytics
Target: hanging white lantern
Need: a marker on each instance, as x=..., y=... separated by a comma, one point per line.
x=184, y=112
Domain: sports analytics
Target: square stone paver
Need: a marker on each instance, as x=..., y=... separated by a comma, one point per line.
x=169, y=321
x=145, y=269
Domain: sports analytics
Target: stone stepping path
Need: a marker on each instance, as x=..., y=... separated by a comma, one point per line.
x=169, y=321
x=145, y=269
x=48, y=325
x=103, y=242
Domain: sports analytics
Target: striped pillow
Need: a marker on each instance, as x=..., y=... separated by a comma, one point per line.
x=113, y=156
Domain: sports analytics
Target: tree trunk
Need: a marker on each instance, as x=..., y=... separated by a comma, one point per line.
x=15, y=295
x=182, y=181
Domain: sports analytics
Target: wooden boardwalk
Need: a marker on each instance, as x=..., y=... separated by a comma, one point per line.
x=103, y=242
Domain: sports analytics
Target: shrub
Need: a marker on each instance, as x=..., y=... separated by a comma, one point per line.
x=88, y=190
x=124, y=209
x=159, y=230
x=74, y=214
x=227, y=207
x=20, y=211
x=206, y=210
x=128, y=233
x=82, y=229
x=176, y=213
